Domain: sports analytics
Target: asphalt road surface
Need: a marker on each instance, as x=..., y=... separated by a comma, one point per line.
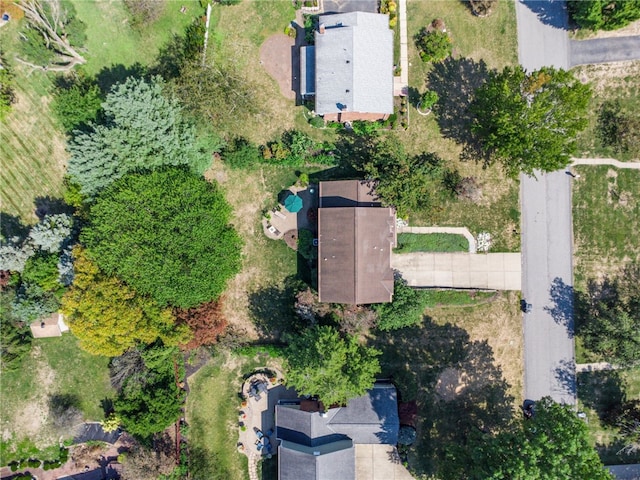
x=547, y=279
x=603, y=50
x=547, y=275
x=542, y=34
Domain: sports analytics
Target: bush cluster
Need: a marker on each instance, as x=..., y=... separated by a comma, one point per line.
x=434, y=45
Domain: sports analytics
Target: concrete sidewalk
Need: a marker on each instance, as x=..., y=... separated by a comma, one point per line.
x=492, y=271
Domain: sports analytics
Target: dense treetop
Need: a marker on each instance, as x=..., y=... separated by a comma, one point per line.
x=142, y=128
x=529, y=121
x=109, y=317
x=335, y=368
x=166, y=233
x=604, y=14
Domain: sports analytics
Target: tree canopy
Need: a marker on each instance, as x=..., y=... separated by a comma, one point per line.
x=335, y=368
x=109, y=317
x=409, y=183
x=151, y=401
x=604, y=14
x=166, y=234
x=142, y=128
x=406, y=309
x=529, y=121
x=553, y=444
x=609, y=317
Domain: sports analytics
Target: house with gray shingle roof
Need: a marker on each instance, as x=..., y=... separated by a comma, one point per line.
x=350, y=68
x=319, y=444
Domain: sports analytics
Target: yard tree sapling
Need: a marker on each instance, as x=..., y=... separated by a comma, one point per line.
x=529, y=121
x=109, y=317
x=165, y=233
x=332, y=366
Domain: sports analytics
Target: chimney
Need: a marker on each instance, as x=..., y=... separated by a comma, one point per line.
x=321, y=29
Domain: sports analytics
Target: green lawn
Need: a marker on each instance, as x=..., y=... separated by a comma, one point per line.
x=598, y=394
x=432, y=242
x=447, y=365
x=212, y=414
x=111, y=40
x=606, y=221
x=56, y=366
x=609, y=83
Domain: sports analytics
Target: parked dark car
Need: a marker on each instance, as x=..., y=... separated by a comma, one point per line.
x=525, y=307
x=528, y=409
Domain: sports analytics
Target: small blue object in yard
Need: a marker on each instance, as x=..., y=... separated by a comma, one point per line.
x=5, y=17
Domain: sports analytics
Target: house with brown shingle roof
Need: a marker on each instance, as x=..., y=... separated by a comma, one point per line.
x=355, y=236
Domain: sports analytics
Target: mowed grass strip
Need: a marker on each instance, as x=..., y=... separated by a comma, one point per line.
x=212, y=413
x=431, y=242
x=32, y=148
x=606, y=221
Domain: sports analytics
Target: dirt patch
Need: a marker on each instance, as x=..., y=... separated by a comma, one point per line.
x=451, y=383
x=276, y=58
x=616, y=75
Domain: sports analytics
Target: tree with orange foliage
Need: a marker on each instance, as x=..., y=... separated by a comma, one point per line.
x=206, y=321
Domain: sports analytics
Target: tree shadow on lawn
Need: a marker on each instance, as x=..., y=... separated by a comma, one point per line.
x=455, y=81
x=423, y=363
x=602, y=391
x=12, y=226
x=272, y=308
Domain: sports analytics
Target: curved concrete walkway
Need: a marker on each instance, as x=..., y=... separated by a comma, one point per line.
x=605, y=161
x=453, y=230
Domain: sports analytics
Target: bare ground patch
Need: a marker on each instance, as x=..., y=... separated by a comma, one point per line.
x=276, y=58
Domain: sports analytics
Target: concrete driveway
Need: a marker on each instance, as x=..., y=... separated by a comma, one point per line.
x=344, y=6
x=493, y=271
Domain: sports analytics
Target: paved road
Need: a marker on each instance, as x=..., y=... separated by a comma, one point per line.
x=603, y=50
x=542, y=34
x=547, y=276
x=547, y=279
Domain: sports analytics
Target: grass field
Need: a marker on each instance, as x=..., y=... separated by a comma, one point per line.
x=56, y=366
x=598, y=393
x=606, y=221
x=32, y=146
x=617, y=81
x=111, y=40
x=212, y=412
x=432, y=242
x=447, y=366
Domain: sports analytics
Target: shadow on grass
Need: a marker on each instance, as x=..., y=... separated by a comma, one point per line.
x=271, y=308
x=455, y=81
x=12, y=226
x=51, y=206
x=602, y=391
x=114, y=74
x=457, y=386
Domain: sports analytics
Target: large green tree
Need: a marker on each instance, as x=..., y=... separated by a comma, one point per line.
x=336, y=368
x=406, y=309
x=150, y=401
x=529, y=121
x=409, y=183
x=609, y=317
x=142, y=128
x=604, y=14
x=109, y=317
x=166, y=234
x=553, y=444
